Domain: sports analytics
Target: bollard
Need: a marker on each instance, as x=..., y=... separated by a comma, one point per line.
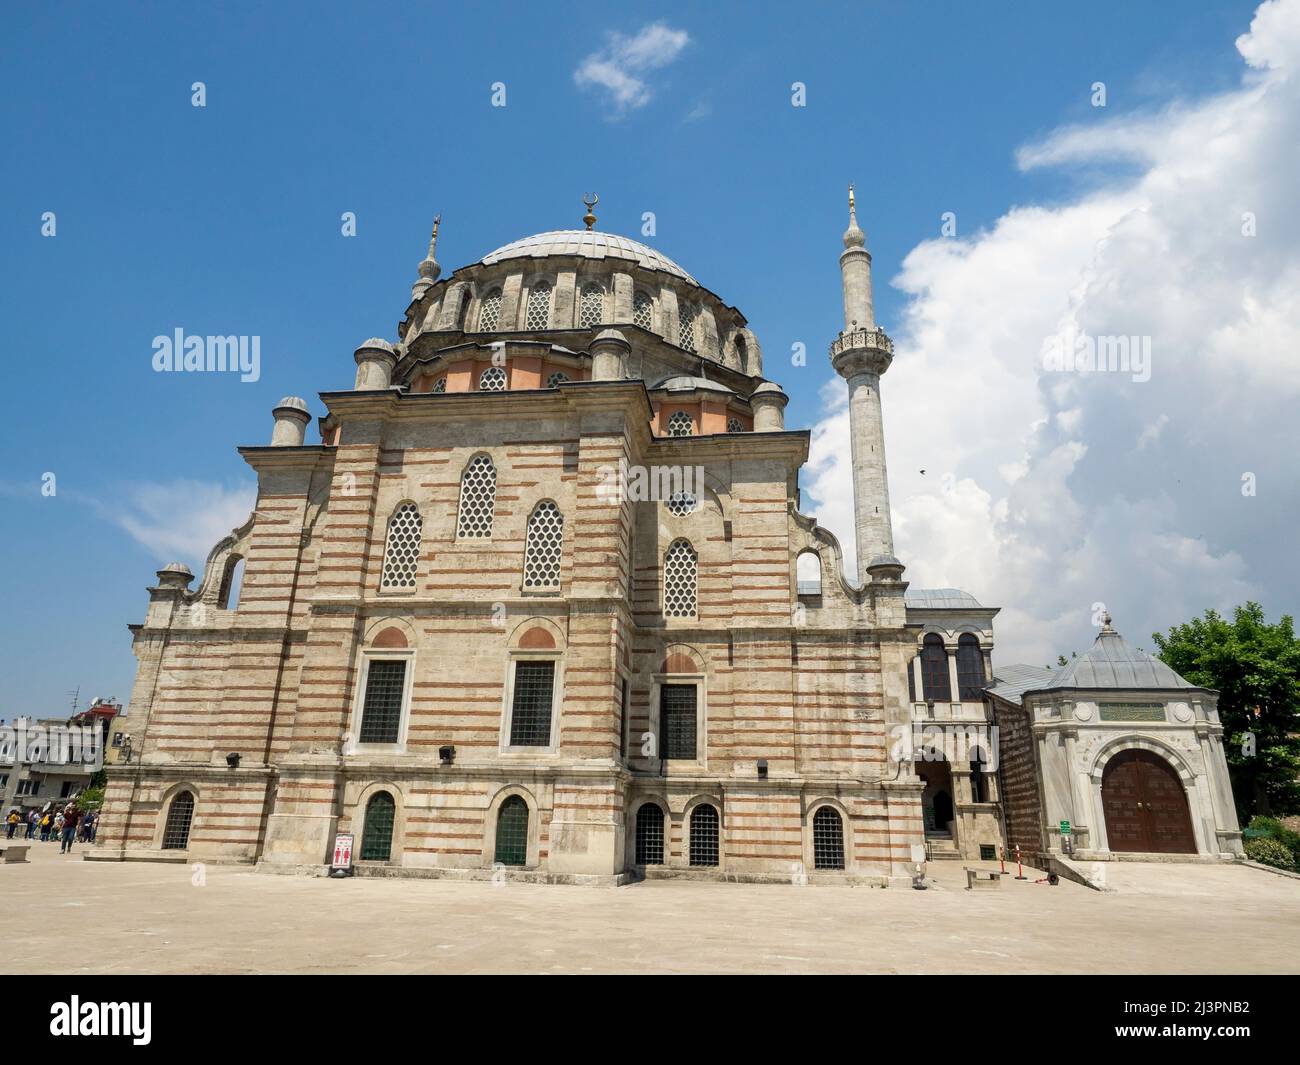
x=1020, y=872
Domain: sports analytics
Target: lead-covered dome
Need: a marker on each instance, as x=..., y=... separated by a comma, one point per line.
x=589, y=245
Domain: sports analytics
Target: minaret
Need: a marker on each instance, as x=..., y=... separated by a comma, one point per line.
x=860, y=354
x=429, y=268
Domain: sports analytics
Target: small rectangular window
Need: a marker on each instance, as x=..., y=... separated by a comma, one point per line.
x=381, y=715
x=117, y=739
x=988, y=852
x=530, y=714
x=677, y=720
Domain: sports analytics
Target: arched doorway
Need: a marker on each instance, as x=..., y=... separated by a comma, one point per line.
x=936, y=800
x=1145, y=806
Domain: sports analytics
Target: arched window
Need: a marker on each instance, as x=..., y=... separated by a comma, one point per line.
x=439, y=385
x=735, y=425
x=176, y=832
x=463, y=309
x=704, y=835
x=643, y=310
x=808, y=573
x=828, y=839
x=934, y=669
x=512, y=832
x=680, y=424
x=539, y=306
x=686, y=315
x=681, y=574
x=970, y=668
x=478, y=499
x=543, y=545
x=489, y=312
x=742, y=354
x=591, y=306
x=377, y=831
x=232, y=579
x=557, y=378
x=682, y=503
x=402, y=551
x=650, y=834
x=493, y=379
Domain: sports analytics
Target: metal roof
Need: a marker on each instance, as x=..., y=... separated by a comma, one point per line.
x=590, y=245
x=1112, y=663
x=939, y=598
x=1011, y=682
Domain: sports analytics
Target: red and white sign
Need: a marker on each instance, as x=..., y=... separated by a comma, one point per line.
x=342, y=851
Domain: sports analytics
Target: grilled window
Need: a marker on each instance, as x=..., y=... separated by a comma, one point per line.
x=642, y=310
x=591, y=306
x=680, y=424
x=493, y=379
x=934, y=669
x=681, y=577
x=650, y=834
x=512, y=832
x=489, y=314
x=828, y=839
x=377, y=832
x=538, y=315
x=970, y=668
x=677, y=720
x=176, y=832
x=735, y=425
x=686, y=316
x=682, y=503
x=381, y=714
x=530, y=713
x=543, y=546
x=478, y=499
x=704, y=835
x=440, y=385
x=556, y=378
x=402, y=549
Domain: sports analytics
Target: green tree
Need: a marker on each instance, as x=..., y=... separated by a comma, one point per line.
x=1255, y=667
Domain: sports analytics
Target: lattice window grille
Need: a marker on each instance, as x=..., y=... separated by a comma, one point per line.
x=650, y=835
x=489, y=315
x=381, y=713
x=402, y=549
x=543, y=545
x=828, y=839
x=680, y=424
x=538, y=315
x=512, y=832
x=704, y=835
x=530, y=714
x=686, y=327
x=493, y=379
x=592, y=305
x=377, y=830
x=478, y=499
x=681, y=576
x=677, y=720
x=735, y=425
x=176, y=832
x=682, y=503
x=642, y=310
x=556, y=378
x=440, y=385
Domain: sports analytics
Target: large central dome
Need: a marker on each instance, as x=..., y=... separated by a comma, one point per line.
x=590, y=245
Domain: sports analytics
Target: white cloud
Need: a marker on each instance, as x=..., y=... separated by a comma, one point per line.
x=621, y=66
x=1046, y=492
x=181, y=520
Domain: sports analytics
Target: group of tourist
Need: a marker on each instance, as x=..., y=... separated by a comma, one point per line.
x=67, y=825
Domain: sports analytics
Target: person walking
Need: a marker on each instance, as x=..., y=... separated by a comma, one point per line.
x=33, y=818
x=70, y=818
x=11, y=823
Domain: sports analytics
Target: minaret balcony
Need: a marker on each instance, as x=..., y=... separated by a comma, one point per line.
x=855, y=350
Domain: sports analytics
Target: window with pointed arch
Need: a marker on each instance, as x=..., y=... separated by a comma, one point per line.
x=643, y=310
x=704, y=835
x=478, y=499
x=970, y=668
x=680, y=424
x=828, y=839
x=543, y=546
x=377, y=828
x=439, y=385
x=180, y=815
x=935, y=681
x=512, y=832
x=489, y=312
x=681, y=580
x=493, y=379
x=591, y=306
x=538, y=313
x=650, y=834
x=735, y=425
x=402, y=548
x=686, y=316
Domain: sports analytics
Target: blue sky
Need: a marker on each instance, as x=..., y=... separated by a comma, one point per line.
x=226, y=219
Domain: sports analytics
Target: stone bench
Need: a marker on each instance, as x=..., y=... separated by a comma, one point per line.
x=13, y=852
x=979, y=878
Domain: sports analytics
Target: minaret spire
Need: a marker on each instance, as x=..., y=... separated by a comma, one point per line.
x=860, y=354
x=429, y=268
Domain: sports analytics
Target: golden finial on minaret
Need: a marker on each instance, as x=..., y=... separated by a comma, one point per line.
x=433, y=240
x=852, y=211
x=590, y=200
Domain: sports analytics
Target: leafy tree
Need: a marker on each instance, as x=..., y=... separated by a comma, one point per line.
x=1255, y=667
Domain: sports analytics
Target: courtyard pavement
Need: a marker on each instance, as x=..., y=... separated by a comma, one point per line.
x=71, y=916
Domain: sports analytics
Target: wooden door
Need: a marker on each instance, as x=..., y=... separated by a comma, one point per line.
x=1145, y=806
